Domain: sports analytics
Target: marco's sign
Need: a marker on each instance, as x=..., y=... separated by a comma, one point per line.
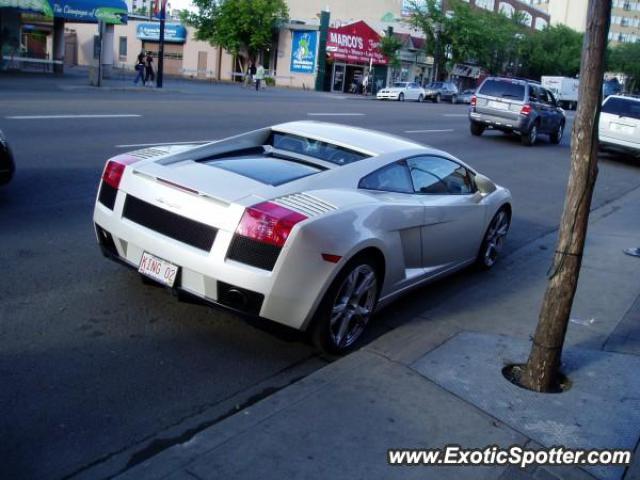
x=355, y=43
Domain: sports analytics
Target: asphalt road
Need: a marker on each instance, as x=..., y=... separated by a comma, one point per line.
x=99, y=371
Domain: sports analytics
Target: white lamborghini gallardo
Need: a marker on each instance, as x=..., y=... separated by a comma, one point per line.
x=312, y=225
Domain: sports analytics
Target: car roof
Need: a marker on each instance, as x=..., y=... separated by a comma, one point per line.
x=514, y=80
x=370, y=142
x=624, y=97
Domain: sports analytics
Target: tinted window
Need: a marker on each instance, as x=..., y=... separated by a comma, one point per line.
x=392, y=178
x=315, y=148
x=437, y=175
x=400, y=84
x=269, y=170
x=502, y=88
x=622, y=107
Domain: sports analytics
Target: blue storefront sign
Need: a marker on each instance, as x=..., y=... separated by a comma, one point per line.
x=303, y=51
x=173, y=32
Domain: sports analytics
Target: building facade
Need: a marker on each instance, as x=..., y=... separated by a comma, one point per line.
x=625, y=17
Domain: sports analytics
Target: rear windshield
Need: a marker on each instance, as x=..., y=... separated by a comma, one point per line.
x=622, y=107
x=265, y=169
x=503, y=89
x=315, y=148
x=400, y=84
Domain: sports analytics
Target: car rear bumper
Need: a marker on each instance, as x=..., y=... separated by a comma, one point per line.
x=520, y=124
x=618, y=145
x=287, y=294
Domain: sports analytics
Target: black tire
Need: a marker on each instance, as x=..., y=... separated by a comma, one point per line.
x=420, y=98
x=529, y=138
x=454, y=99
x=491, y=244
x=401, y=97
x=476, y=128
x=437, y=98
x=556, y=137
x=324, y=331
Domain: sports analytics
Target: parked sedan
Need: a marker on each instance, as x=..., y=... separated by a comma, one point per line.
x=312, y=225
x=7, y=165
x=465, y=96
x=438, y=91
x=402, y=91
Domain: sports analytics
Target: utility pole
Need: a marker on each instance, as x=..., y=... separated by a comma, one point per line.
x=322, y=50
x=542, y=368
x=163, y=11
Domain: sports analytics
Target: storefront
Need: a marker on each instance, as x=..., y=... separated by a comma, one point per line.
x=33, y=31
x=352, y=53
x=175, y=35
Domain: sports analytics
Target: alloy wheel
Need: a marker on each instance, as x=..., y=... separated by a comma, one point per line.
x=494, y=239
x=353, y=306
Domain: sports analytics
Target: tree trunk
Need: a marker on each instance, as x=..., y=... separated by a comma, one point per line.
x=541, y=371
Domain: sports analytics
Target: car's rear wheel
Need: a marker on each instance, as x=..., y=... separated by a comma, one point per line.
x=454, y=99
x=556, y=136
x=529, y=138
x=420, y=98
x=346, y=308
x=494, y=239
x=401, y=97
x=476, y=128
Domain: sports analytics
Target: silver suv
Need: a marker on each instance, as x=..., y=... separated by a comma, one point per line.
x=516, y=106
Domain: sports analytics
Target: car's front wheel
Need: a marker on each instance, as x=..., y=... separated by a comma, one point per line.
x=454, y=99
x=401, y=97
x=437, y=98
x=494, y=239
x=346, y=308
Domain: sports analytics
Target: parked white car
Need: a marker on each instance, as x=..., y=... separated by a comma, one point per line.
x=309, y=224
x=619, y=128
x=402, y=91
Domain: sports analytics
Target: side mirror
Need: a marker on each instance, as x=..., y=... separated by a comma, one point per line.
x=485, y=186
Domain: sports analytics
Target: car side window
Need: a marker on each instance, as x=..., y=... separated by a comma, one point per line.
x=552, y=99
x=544, y=98
x=391, y=178
x=533, y=93
x=439, y=176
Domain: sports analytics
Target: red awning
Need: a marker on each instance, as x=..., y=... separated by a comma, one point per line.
x=355, y=43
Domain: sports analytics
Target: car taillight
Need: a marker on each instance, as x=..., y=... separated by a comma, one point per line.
x=526, y=109
x=114, y=169
x=268, y=223
x=473, y=100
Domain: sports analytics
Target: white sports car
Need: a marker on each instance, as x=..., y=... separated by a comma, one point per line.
x=402, y=91
x=312, y=225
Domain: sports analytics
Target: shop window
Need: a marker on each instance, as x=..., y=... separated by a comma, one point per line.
x=122, y=47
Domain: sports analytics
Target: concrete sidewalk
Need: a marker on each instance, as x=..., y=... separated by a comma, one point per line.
x=436, y=380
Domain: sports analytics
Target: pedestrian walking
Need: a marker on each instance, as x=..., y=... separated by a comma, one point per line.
x=139, y=69
x=148, y=68
x=259, y=76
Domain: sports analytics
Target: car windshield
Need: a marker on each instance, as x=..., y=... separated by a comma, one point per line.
x=315, y=148
x=502, y=88
x=400, y=84
x=622, y=107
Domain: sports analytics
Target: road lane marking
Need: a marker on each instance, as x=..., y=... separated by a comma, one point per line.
x=455, y=114
x=48, y=117
x=430, y=131
x=336, y=114
x=158, y=144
